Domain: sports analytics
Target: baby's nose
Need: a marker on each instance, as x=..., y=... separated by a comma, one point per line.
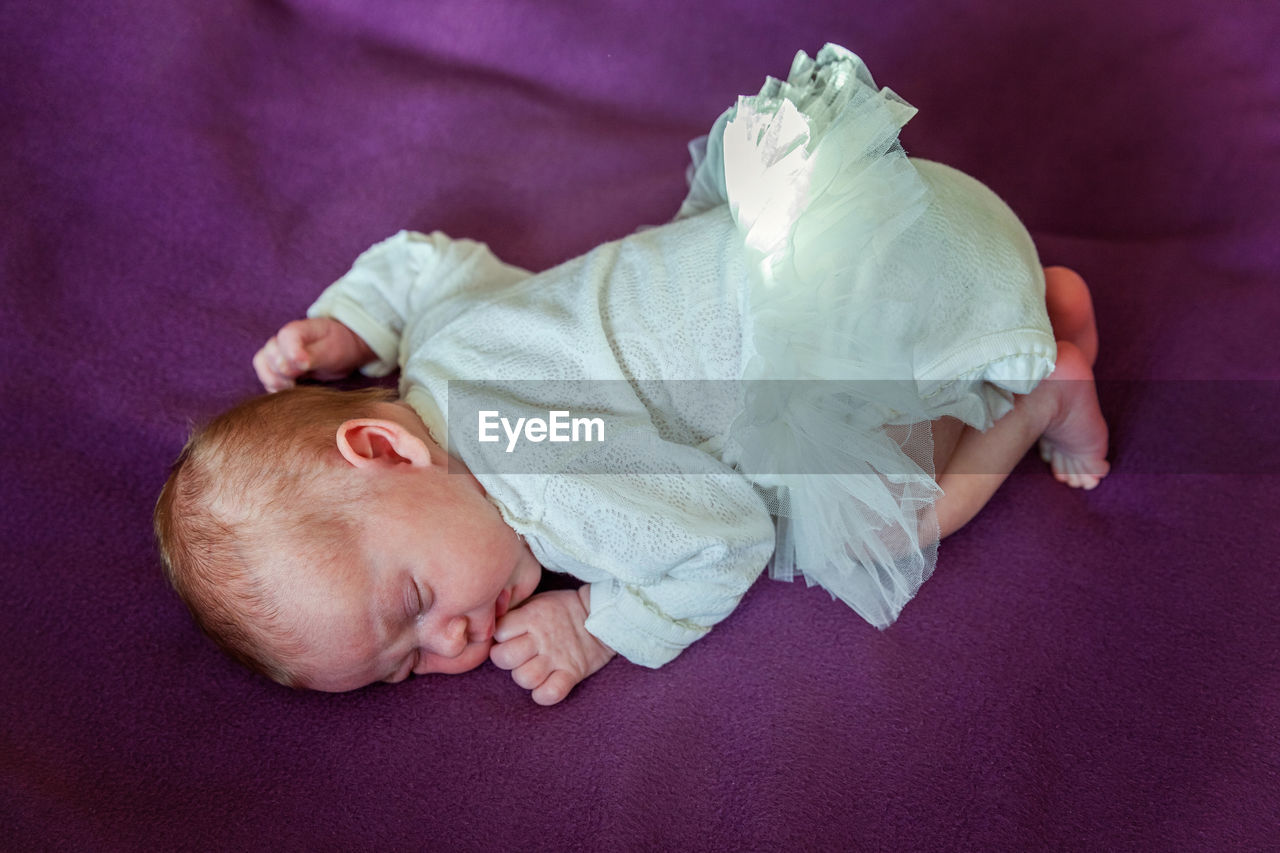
x=455, y=637
x=448, y=640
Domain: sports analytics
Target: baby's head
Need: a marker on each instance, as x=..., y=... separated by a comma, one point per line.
x=320, y=538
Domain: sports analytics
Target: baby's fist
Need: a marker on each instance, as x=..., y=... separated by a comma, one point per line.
x=319, y=346
x=546, y=645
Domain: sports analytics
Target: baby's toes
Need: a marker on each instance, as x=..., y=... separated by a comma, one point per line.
x=1077, y=472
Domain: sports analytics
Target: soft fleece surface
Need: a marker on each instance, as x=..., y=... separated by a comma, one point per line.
x=1085, y=671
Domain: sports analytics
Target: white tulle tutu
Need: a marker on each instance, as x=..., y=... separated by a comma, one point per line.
x=887, y=293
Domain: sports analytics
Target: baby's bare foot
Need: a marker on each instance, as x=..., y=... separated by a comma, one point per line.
x=1075, y=441
x=1070, y=308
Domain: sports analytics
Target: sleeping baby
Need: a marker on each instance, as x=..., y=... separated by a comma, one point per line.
x=868, y=339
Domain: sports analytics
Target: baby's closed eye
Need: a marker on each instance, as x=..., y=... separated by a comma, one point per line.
x=415, y=601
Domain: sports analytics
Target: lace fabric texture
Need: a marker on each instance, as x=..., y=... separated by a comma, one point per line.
x=885, y=293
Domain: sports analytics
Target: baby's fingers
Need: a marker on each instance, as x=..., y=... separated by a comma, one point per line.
x=555, y=688
x=532, y=673
x=296, y=340
x=516, y=622
x=270, y=366
x=514, y=652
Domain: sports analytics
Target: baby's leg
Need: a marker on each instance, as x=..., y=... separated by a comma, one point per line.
x=1071, y=314
x=1063, y=409
x=1071, y=310
x=1062, y=412
x=946, y=434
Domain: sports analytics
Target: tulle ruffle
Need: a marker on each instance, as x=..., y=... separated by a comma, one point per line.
x=844, y=308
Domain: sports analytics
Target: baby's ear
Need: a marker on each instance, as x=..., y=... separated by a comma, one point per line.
x=374, y=442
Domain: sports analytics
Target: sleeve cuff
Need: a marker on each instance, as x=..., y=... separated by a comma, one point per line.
x=625, y=621
x=384, y=343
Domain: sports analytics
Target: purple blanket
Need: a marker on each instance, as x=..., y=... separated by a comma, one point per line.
x=1085, y=670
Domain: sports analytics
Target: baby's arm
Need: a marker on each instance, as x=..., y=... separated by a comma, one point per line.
x=546, y=644
x=366, y=312
x=685, y=549
x=319, y=346
x=667, y=556
x=401, y=278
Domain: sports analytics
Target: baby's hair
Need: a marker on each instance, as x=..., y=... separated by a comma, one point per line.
x=240, y=484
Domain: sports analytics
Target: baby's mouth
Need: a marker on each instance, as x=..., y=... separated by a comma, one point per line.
x=504, y=601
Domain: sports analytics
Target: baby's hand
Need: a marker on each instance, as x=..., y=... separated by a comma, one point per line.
x=546, y=643
x=319, y=346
